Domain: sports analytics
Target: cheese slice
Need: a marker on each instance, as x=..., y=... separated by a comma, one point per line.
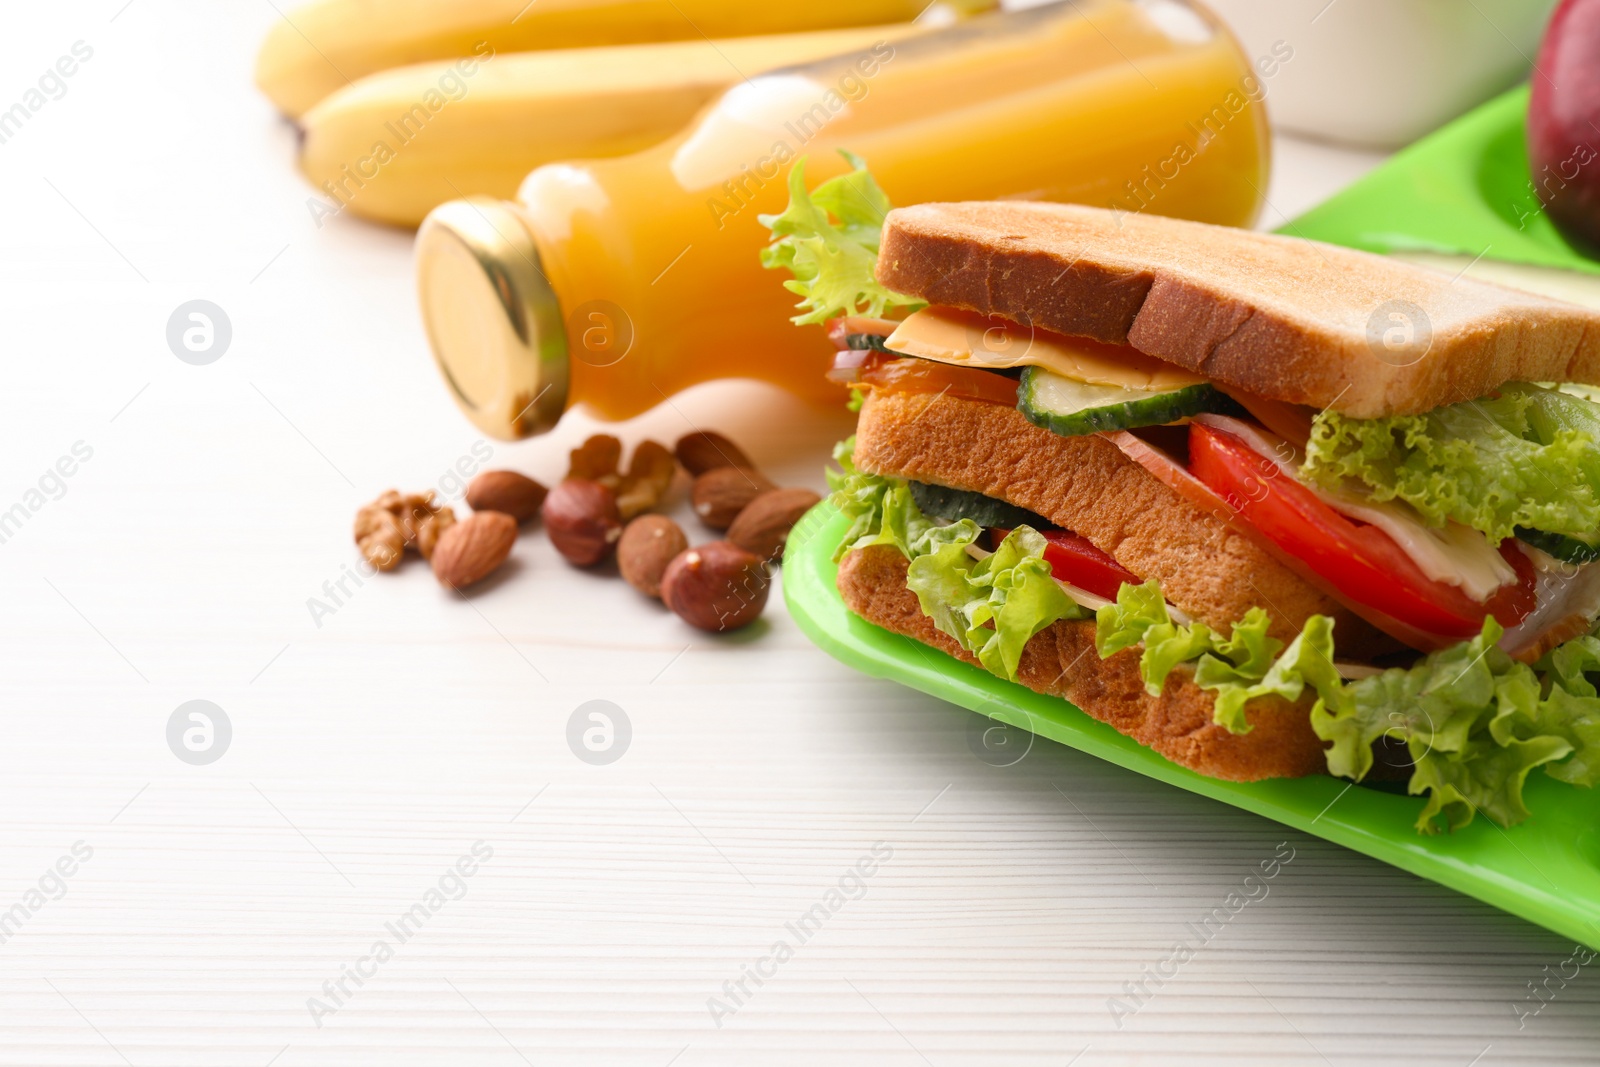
x=967, y=339
x=1453, y=554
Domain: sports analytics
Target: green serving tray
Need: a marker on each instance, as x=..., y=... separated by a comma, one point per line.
x=1462, y=190
x=1547, y=870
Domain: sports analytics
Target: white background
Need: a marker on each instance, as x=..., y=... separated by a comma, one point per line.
x=371, y=752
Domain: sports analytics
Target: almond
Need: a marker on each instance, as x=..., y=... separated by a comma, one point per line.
x=707, y=450
x=716, y=587
x=470, y=550
x=582, y=520
x=648, y=544
x=720, y=494
x=507, y=492
x=762, y=528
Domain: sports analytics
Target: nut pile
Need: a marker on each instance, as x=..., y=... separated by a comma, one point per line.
x=600, y=509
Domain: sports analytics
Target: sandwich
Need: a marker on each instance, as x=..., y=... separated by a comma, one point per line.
x=1269, y=507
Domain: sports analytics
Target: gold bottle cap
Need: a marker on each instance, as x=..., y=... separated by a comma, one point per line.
x=493, y=321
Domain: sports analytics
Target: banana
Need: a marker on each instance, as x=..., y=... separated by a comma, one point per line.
x=328, y=44
x=395, y=145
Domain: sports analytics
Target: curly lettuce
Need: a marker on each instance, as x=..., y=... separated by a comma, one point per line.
x=1307, y=661
x=1527, y=457
x=1474, y=721
x=1571, y=710
x=882, y=511
x=993, y=606
x=1244, y=666
x=828, y=239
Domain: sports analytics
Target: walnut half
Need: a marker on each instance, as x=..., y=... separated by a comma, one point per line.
x=396, y=521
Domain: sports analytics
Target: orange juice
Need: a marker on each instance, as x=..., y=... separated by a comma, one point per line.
x=648, y=265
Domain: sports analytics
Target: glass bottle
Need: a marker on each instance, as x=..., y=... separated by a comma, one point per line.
x=617, y=283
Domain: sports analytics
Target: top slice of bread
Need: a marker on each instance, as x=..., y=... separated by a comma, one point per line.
x=1281, y=317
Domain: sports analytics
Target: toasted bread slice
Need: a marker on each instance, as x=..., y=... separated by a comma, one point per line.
x=1085, y=484
x=1281, y=317
x=1061, y=661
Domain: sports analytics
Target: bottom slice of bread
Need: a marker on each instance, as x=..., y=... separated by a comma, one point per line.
x=1061, y=661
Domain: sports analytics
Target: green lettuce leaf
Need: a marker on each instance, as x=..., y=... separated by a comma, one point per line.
x=1239, y=668
x=1250, y=647
x=1575, y=721
x=1124, y=624
x=1307, y=661
x=1475, y=722
x=1433, y=706
x=1484, y=777
x=1168, y=645
x=1527, y=457
x=992, y=606
x=1571, y=711
x=828, y=239
x=883, y=512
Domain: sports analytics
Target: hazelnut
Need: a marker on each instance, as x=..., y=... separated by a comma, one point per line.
x=716, y=586
x=762, y=528
x=648, y=544
x=705, y=450
x=507, y=492
x=582, y=519
x=469, y=551
x=720, y=494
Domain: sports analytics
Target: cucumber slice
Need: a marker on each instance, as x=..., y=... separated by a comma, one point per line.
x=1072, y=409
x=1561, y=546
x=942, y=502
x=862, y=342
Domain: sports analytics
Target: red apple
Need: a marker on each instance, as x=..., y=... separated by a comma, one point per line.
x=1564, y=121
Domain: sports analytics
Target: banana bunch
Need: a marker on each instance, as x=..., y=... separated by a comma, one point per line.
x=396, y=144
x=327, y=45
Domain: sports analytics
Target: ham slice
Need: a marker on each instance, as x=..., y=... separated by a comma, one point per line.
x=841, y=328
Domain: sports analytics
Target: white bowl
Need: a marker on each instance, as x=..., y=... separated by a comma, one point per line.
x=1381, y=73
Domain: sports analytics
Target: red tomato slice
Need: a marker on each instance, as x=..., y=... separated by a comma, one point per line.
x=1358, y=559
x=897, y=374
x=1076, y=561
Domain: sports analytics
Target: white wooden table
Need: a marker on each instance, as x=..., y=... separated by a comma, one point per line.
x=228, y=913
